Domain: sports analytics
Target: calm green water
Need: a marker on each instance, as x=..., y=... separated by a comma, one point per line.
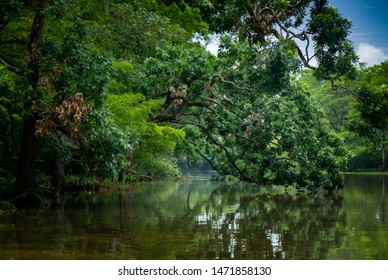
x=204, y=220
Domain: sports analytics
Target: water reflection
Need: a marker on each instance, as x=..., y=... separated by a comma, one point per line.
x=205, y=220
x=264, y=226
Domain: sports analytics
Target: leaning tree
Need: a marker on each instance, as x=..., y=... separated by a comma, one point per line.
x=244, y=111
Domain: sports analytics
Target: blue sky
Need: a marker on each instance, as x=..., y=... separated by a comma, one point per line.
x=370, y=27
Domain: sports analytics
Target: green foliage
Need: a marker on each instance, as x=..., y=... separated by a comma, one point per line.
x=75, y=65
x=153, y=147
x=185, y=16
x=336, y=104
x=372, y=98
x=261, y=129
x=103, y=146
x=150, y=87
x=133, y=33
x=334, y=51
x=320, y=25
x=285, y=142
x=10, y=106
x=241, y=112
x=359, y=117
x=174, y=66
x=50, y=57
x=372, y=108
x=11, y=114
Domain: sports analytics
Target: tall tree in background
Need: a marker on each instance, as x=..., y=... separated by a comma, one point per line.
x=372, y=108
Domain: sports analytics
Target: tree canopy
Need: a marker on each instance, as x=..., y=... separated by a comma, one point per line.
x=121, y=89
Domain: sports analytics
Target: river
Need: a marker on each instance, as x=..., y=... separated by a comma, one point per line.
x=201, y=219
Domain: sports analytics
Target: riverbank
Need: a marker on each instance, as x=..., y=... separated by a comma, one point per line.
x=367, y=173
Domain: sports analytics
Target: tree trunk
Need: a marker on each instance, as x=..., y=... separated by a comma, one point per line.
x=120, y=178
x=26, y=175
x=25, y=178
x=383, y=201
x=59, y=178
x=383, y=160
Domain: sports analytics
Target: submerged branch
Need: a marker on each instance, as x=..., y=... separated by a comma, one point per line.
x=140, y=175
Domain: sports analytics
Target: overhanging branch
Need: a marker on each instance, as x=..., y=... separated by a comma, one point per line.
x=346, y=89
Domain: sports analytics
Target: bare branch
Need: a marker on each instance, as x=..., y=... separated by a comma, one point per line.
x=13, y=41
x=305, y=60
x=218, y=77
x=301, y=36
x=344, y=88
x=10, y=67
x=204, y=157
x=219, y=101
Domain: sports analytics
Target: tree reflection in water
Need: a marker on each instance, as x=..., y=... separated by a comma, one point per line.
x=267, y=226
x=205, y=220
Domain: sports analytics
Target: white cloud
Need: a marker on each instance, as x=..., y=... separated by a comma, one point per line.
x=371, y=54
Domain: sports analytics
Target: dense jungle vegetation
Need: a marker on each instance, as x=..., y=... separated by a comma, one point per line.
x=125, y=90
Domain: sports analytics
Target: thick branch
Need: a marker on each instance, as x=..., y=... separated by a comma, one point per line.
x=305, y=59
x=201, y=105
x=228, y=155
x=169, y=115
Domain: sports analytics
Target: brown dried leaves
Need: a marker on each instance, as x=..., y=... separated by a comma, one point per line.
x=68, y=115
